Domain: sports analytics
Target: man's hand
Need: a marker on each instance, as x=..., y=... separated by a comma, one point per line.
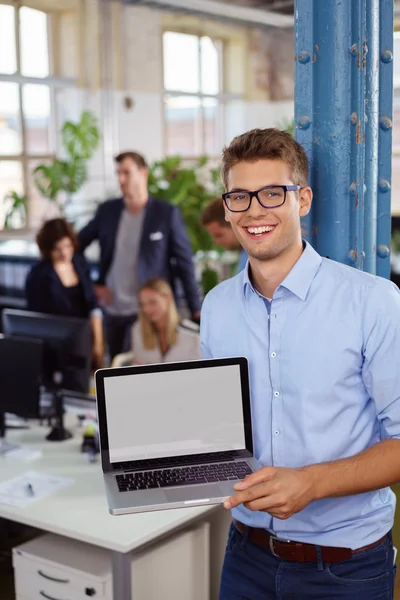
x=279, y=491
x=104, y=295
x=97, y=355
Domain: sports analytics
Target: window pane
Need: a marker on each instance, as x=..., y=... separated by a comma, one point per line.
x=210, y=66
x=396, y=122
x=8, y=54
x=11, y=180
x=34, y=43
x=10, y=129
x=396, y=185
x=40, y=209
x=181, y=62
x=213, y=119
x=36, y=111
x=183, y=125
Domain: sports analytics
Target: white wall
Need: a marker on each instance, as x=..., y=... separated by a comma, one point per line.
x=138, y=128
x=244, y=115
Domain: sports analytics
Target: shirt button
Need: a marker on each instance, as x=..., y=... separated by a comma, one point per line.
x=273, y=354
x=276, y=432
x=276, y=394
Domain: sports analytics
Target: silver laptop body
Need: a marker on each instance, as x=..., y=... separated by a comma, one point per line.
x=174, y=435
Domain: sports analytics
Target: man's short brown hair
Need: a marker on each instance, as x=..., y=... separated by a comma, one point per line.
x=53, y=231
x=271, y=144
x=137, y=158
x=214, y=212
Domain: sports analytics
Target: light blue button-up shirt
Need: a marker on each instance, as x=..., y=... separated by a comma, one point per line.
x=242, y=261
x=325, y=383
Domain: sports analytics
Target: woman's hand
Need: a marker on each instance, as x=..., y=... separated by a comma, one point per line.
x=104, y=295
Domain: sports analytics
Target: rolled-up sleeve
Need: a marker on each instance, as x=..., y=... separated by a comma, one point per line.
x=381, y=373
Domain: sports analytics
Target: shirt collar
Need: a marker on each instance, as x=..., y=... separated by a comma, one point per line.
x=299, y=279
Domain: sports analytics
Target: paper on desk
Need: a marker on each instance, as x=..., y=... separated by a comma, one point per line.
x=16, y=491
x=23, y=453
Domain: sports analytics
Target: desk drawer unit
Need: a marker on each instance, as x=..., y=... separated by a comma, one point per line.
x=55, y=568
x=51, y=567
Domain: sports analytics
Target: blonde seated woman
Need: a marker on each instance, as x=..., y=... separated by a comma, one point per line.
x=160, y=334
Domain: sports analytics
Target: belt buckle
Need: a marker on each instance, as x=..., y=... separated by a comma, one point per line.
x=272, y=538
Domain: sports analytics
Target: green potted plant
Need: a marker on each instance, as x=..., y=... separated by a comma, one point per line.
x=65, y=177
x=190, y=188
x=15, y=217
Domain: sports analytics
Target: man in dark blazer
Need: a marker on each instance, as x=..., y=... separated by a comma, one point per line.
x=140, y=237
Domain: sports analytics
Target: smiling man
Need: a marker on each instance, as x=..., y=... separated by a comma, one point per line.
x=322, y=340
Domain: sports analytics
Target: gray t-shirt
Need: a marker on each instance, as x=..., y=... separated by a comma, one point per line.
x=122, y=276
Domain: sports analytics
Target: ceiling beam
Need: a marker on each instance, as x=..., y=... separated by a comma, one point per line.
x=279, y=4
x=218, y=10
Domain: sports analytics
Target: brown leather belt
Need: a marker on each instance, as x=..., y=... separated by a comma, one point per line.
x=298, y=551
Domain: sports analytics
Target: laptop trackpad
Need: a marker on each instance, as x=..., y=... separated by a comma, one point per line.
x=197, y=492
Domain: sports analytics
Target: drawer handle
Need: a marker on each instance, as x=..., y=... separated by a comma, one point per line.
x=46, y=596
x=53, y=578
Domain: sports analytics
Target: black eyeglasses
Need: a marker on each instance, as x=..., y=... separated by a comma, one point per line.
x=271, y=196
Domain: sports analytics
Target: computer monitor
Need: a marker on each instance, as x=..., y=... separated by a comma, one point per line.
x=20, y=378
x=66, y=363
x=67, y=346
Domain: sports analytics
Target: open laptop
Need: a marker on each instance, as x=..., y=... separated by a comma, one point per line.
x=174, y=435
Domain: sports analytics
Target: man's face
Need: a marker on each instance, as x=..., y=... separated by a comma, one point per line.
x=222, y=235
x=131, y=178
x=283, y=223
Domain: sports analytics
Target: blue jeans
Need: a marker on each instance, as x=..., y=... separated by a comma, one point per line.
x=251, y=572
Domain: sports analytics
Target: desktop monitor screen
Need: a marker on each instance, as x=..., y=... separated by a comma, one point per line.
x=67, y=345
x=20, y=376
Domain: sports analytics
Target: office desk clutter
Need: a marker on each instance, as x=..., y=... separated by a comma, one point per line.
x=30, y=487
x=173, y=544
x=22, y=453
x=90, y=439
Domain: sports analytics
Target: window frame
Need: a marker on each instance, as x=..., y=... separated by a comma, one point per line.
x=51, y=82
x=222, y=98
x=396, y=87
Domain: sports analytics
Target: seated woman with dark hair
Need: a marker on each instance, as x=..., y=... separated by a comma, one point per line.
x=160, y=334
x=60, y=284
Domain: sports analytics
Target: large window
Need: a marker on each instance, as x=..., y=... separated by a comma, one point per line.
x=193, y=95
x=26, y=104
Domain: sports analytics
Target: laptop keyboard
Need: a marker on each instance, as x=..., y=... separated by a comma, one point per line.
x=163, y=478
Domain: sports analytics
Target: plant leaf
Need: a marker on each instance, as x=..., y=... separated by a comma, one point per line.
x=81, y=139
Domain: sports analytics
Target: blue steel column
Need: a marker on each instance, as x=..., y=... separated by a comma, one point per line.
x=385, y=136
x=371, y=135
x=340, y=91
x=356, y=58
x=304, y=43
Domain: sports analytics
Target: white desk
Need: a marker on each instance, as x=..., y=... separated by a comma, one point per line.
x=81, y=512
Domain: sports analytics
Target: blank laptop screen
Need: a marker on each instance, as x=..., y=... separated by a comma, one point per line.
x=174, y=413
